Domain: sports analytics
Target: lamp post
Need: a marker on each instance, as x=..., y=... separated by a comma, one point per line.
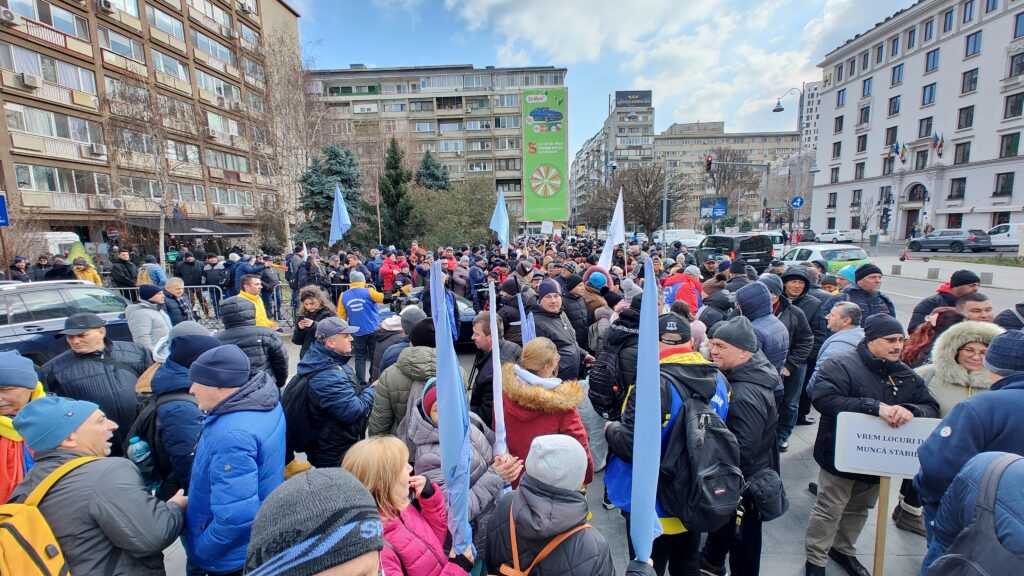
x=799, y=129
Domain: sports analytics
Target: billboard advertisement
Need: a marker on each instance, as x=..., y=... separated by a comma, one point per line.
x=545, y=155
x=633, y=98
x=713, y=208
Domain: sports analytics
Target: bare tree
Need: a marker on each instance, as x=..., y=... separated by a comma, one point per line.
x=731, y=181
x=642, y=194
x=869, y=210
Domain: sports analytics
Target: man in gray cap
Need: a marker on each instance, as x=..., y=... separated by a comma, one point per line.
x=868, y=380
x=335, y=404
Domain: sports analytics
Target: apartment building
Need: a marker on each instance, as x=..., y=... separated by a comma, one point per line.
x=922, y=120
x=810, y=114
x=471, y=119
x=71, y=68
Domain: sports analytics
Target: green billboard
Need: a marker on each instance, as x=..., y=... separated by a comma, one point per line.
x=545, y=155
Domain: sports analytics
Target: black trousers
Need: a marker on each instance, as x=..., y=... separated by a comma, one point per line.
x=744, y=553
x=679, y=553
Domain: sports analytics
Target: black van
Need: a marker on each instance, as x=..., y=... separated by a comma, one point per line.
x=756, y=249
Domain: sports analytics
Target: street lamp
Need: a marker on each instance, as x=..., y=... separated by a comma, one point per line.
x=800, y=149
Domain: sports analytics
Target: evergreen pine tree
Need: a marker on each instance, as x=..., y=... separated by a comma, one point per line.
x=395, y=205
x=336, y=167
x=432, y=174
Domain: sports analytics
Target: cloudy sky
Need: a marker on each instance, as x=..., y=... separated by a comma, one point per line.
x=704, y=59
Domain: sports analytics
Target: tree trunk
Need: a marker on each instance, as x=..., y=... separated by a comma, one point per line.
x=163, y=228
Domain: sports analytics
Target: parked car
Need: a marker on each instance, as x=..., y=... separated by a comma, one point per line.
x=32, y=313
x=807, y=235
x=778, y=242
x=955, y=239
x=1005, y=235
x=836, y=255
x=837, y=236
x=689, y=237
x=545, y=114
x=466, y=313
x=756, y=249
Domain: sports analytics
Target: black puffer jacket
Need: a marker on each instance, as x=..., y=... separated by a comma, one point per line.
x=106, y=378
x=190, y=272
x=305, y=337
x=801, y=339
x=481, y=378
x=260, y=344
x=508, y=312
x=623, y=335
x=857, y=381
x=558, y=329
x=737, y=282
x=575, y=307
x=123, y=273
x=718, y=307
x=753, y=414
x=1010, y=321
x=942, y=297
x=62, y=272
x=542, y=512
x=383, y=339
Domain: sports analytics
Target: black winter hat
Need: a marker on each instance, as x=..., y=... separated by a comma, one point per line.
x=963, y=278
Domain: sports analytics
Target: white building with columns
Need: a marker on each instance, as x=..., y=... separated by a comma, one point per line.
x=942, y=71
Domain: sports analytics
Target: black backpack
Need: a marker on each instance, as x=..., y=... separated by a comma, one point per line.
x=303, y=418
x=700, y=481
x=607, y=390
x=145, y=428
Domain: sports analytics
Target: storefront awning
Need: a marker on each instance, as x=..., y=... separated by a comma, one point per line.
x=190, y=227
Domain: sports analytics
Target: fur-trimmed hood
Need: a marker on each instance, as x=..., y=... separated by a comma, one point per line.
x=944, y=367
x=564, y=397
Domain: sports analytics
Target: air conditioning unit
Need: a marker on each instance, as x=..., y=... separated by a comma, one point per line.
x=105, y=6
x=469, y=110
x=237, y=106
x=245, y=9
x=212, y=134
x=105, y=203
x=96, y=149
x=116, y=203
x=227, y=32
x=220, y=210
x=9, y=18
x=30, y=82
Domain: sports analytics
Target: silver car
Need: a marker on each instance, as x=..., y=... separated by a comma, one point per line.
x=955, y=239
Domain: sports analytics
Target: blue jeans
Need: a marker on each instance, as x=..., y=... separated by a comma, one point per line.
x=789, y=407
x=362, y=350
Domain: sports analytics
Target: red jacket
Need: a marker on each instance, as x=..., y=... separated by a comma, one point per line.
x=415, y=540
x=387, y=272
x=532, y=411
x=687, y=290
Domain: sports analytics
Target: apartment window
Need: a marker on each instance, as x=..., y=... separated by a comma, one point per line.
x=120, y=44
x=837, y=149
x=217, y=86
x=25, y=61
x=855, y=197
x=879, y=53
x=858, y=171
x=888, y=164
x=65, y=180
x=854, y=222
x=833, y=178
x=479, y=167
x=864, y=117
x=830, y=223
x=1013, y=106
x=865, y=61
x=839, y=72
x=135, y=142
x=894, y=105
x=51, y=15
x=204, y=43
x=424, y=147
x=954, y=220
x=931, y=61
x=837, y=125
x=957, y=188
x=920, y=160
x=852, y=65
x=1004, y=184
x=947, y=21
x=991, y=5
x=264, y=168
x=53, y=124
x=968, y=11
x=423, y=127
x=478, y=145
x=227, y=161
x=1016, y=65
x=510, y=143
x=506, y=100
x=929, y=30
x=924, y=127
x=969, y=81
x=253, y=37
x=928, y=94
x=890, y=135
x=972, y=44
x=1008, y=145
x=177, y=109
x=862, y=143
x=224, y=124
x=476, y=125
x=445, y=127
x=211, y=10
x=1018, y=26
x=182, y=152
x=452, y=146
x=911, y=38
x=965, y=118
x=124, y=92
x=841, y=98
x=394, y=107
x=170, y=65
x=251, y=68
x=421, y=106
x=506, y=122
x=962, y=153
x=508, y=164
x=865, y=88
x=165, y=22
x=833, y=196
x=894, y=46
x=896, y=75
x=187, y=192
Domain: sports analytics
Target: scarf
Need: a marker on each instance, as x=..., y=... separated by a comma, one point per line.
x=534, y=380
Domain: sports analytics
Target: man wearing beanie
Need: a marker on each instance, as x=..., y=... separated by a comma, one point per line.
x=552, y=323
x=575, y=307
x=593, y=292
x=261, y=344
x=98, y=370
x=737, y=273
x=332, y=408
x=19, y=385
x=719, y=303
x=104, y=518
x=411, y=315
x=866, y=292
x=547, y=503
x=684, y=373
x=239, y=459
x=146, y=319
x=989, y=422
x=869, y=380
x=752, y=418
x=962, y=282
x=321, y=522
x=358, y=306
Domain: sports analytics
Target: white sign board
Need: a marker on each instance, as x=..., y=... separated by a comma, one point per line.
x=546, y=227
x=868, y=445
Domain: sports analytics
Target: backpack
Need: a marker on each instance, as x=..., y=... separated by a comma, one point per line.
x=700, y=481
x=607, y=390
x=145, y=428
x=302, y=417
x=27, y=544
x=143, y=276
x=515, y=569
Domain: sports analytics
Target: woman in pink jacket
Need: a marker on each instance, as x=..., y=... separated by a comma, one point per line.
x=414, y=536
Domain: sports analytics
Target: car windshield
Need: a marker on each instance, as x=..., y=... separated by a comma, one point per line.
x=723, y=242
x=844, y=254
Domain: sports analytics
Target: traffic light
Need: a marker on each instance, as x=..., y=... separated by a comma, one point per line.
x=884, y=220
x=707, y=163
x=768, y=212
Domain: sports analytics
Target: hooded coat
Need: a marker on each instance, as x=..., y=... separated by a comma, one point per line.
x=624, y=336
x=753, y=414
x=717, y=307
x=481, y=379
x=949, y=382
x=557, y=328
x=239, y=461
x=943, y=297
x=870, y=303
x=801, y=339
x=390, y=404
x=542, y=512
x=148, y=323
x=772, y=336
x=810, y=305
x=260, y=344
x=532, y=410
x=387, y=333
x=593, y=299
x=1012, y=319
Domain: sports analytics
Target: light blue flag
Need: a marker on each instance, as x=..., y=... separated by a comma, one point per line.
x=340, y=221
x=499, y=220
x=526, y=323
x=644, y=524
x=500, y=445
x=453, y=418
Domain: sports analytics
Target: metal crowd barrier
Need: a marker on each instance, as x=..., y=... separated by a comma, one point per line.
x=205, y=302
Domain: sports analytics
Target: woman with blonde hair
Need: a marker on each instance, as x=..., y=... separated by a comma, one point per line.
x=537, y=403
x=414, y=536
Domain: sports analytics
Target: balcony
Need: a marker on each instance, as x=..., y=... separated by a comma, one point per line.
x=196, y=208
x=135, y=161
x=449, y=112
x=176, y=4
x=233, y=211
x=208, y=23
x=187, y=170
x=167, y=40
x=48, y=36
x=141, y=205
x=508, y=173
x=122, y=64
x=216, y=64
x=173, y=83
x=61, y=148
x=255, y=82
x=49, y=92
x=56, y=202
x=178, y=125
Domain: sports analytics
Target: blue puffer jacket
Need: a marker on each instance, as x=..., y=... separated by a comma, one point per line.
x=178, y=425
x=869, y=303
x=755, y=303
x=241, y=269
x=986, y=422
x=239, y=461
x=958, y=507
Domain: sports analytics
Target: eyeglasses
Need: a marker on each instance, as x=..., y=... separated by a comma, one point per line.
x=971, y=352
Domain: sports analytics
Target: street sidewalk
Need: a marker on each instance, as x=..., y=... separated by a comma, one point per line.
x=1002, y=276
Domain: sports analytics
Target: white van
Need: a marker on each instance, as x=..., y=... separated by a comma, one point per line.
x=688, y=236
x=53, y=242
x=1005, y=235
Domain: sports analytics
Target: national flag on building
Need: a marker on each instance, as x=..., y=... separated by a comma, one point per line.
x=903, y=153
x=942, y=142
x=935, y=140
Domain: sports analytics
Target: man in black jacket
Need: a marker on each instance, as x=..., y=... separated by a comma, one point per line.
x=575, y=308
x=260, y=343
x=737, y=275
x=191, y=271
x=962, y=282
x=123, y=272
x=481, y=377
x=623, y=337
x=552, y=323
x=868, y=380
x=752, y=418
x=37, y=271
x=819, y=326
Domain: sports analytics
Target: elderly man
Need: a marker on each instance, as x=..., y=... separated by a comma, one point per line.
x=552, y=323
x=19, y=385
x=866, y=292
x=98, y=370
x=961, y=283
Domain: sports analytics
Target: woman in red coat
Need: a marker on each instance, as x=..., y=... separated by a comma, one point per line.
x=537, y=403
